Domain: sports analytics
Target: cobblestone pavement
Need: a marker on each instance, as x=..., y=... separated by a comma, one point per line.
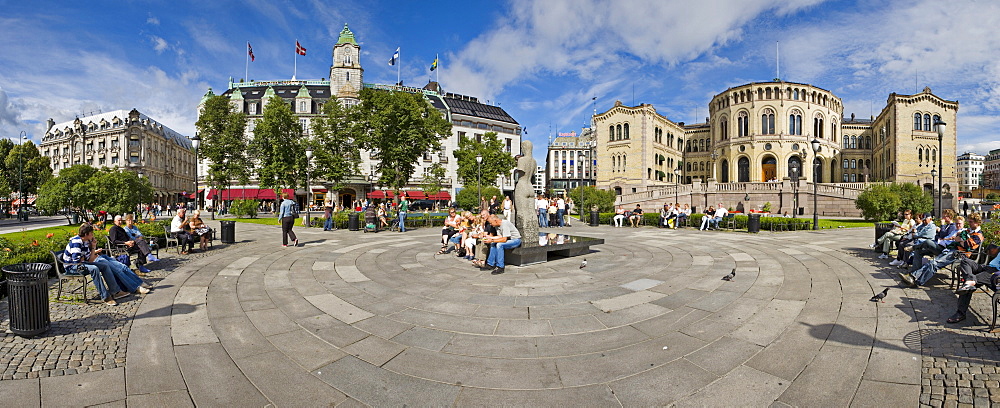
x=379, y=319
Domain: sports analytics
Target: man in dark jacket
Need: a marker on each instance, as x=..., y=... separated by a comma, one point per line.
x=118, y=236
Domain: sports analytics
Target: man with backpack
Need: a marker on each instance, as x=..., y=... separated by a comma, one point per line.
x=288, y=212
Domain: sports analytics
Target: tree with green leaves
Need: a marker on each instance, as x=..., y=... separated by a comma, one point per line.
x=277, y=148
x=221, y=128
x=67, y=190
x=336, y=144
x=912, y=197
x=496, y=161
x=401, y=128
x=878, y=203
x=434, y=178
x=116, y=191
x=467, y=199
x=24, y=162
x=603, y=199
x=6, y=145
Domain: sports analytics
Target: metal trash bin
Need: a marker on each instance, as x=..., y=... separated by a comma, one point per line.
x=352, y=222
x=753, y=223
x=28, y=298
x=595, y=218
x=76, y=219
x=228, y=232
x=881, y=228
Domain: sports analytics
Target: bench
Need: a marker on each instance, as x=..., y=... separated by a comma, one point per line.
x=572, y=246
x=69, y=274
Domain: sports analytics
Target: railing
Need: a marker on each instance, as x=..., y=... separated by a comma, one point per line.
x=842, y=190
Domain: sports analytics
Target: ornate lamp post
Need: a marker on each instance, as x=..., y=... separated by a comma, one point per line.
x=309, y=155
x=937, y=205
x=677, y=183
x=940, y=126
x=479, y=181
x=714, y=156
x=196, y=142
x=816, y=169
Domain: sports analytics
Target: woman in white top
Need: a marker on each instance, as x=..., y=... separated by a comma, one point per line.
x=508, y=209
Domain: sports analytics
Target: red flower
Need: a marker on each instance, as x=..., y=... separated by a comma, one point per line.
x=49, y=235
x=34, y=243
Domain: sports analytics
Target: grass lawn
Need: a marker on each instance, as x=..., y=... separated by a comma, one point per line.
x=28, y=236
x=845, y=224
x=262, y=221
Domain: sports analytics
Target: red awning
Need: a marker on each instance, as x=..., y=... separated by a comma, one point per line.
x=319, y=190
x=381, y=194
x=440, y=196
x=247, y=193
x=416, y=195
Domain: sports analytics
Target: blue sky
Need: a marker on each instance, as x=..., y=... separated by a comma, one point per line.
x=542, y=61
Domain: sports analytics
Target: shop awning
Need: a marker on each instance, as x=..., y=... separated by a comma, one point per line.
x=416, y=195
x=31, y=200
x=440, y=196
x=319, y=190
x=381, y=194
x=247, y=193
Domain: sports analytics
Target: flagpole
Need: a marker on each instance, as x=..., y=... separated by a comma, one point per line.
x=399, y=63
x=295, y=64
x=246, y=71
x=437, y=70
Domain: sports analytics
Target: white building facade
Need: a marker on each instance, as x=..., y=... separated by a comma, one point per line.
x=970, y=171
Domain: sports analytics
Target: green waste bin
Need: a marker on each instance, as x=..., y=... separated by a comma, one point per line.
x=28, y=298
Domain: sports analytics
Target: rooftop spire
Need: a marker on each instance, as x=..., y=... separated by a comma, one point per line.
x=346, y=36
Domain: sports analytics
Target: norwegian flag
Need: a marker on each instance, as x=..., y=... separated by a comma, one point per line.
x=299, y=49
x=250, y=51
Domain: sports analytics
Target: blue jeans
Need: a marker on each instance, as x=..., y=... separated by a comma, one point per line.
x=926, y=272
x=105, y=284
x=560, y=216
x=124, y=278
x=496, y=252
x=329, y=223
x=714, y=222
x=543, y=217
x=402, y=221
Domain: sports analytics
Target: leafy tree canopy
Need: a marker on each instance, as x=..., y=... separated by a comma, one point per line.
x=912, y=197
x=603, y=199
x=277, y=147
x=468, y=200
x=434, y=178
x=25, y=161
x=878, y=203
x=222, y=131
x=336, y=144
x=496, y=161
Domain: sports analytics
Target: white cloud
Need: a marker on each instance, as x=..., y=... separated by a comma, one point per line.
x=159, y=44
x=594, y=38
x=152, y=20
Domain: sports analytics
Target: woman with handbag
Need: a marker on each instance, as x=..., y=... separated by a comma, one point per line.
x=199, y=230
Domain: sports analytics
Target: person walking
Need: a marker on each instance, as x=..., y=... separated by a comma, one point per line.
x=328, y=213
x=561, y=211
x=404, y=206
x=287, y=213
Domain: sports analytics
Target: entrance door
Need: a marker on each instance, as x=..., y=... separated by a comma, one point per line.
x=769, y=169
x=743, y=169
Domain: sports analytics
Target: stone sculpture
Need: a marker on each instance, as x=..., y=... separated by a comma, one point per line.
x=525, y=216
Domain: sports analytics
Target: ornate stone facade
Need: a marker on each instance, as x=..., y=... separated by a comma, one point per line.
x=124, y=140
x=762, y=132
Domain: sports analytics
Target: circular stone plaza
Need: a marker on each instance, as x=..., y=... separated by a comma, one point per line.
x=357, y=319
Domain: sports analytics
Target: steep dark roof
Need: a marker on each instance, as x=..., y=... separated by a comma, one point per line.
x=436, y=102
x=470, y=108
x=283, y=91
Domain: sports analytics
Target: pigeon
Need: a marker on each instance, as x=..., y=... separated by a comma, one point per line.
x=583, y=264
x=730, y=276
x=880, y=296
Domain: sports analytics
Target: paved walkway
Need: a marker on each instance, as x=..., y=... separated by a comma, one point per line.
x=379, y=320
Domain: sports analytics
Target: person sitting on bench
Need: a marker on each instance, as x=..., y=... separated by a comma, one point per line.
x=119, y=236
x=976, y=275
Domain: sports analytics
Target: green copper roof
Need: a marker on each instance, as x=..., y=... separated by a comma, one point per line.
x=268, y=93
x=303, y=92
x=346, y=36
x=208, y=94
x=236, y=95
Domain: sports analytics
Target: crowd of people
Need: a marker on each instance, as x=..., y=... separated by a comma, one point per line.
x=113, y=279
x=479, y=238
x=952, y=242
x=553, y=211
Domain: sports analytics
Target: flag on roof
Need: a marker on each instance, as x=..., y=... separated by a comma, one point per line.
x=299, y=49
x=434, y=65
x=250, y=51
x=395, y=57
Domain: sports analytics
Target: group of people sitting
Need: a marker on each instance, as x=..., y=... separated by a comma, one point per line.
x=188, y=230
x=712, y=217
x=480, y=238
x=113, y=280
x=951, y=242
x=674, y=215
x=634, y=216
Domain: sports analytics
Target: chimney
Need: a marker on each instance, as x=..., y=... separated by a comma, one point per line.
x=49, y=124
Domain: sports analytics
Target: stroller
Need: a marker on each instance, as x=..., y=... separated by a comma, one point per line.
x=371, y=219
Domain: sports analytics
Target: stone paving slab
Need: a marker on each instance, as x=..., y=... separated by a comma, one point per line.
x=353, y=319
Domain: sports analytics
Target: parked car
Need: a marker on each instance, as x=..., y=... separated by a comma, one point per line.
x=420, y=205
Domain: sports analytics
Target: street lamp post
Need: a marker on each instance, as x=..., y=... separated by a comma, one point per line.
x=816, y=148
x=141, y=176
x=941, y=126
x=309, y=155
x=937, y=205
x=479, y=181
x=20, y=177
x=677, y=184
x=196, y=142
x=714, y=156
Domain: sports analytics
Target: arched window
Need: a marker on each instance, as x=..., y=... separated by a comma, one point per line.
x=688, y=166
x=936, y=120
x=724, y=129
x=854, y=164
x=847, y=142
x=854, y=142
x=743, y=169
x=847, y=164
x=927, y=122
x=743, y=123
x=701, y=166
x=795, y=123
x=768, y=93
x=619, y=129
x=611, y=131
x=701, y=144
x=725, y=171
x=767, y=122
x=920, y=155
x=626, y=131
x=868, y=142
x=795, y=94
x=916, y=121
x=818, y=127
x=624, y=161
x=934, y=156
x=818, y=170
x=794, y=167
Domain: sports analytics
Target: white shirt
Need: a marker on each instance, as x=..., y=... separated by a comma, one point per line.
x=721, y=212
x=541, y=204
x=560, y=204
x=175, y=224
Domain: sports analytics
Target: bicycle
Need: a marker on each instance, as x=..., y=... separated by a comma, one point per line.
x=394, y=225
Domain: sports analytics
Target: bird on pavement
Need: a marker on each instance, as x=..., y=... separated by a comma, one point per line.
x=730, y=276
x=583, y=264
x=880, y=297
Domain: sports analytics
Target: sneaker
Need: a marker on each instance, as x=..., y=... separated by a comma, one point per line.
x=966, y=288
x=907, y=278
x=284, y=246
x=110, y=302
x=883, y=256
x=872, y=246
x=497, y=271
x=142, y=290
x=152, y=258
x=296, y=243
x=896, y=263
x=144, y=269
x=120, y=295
